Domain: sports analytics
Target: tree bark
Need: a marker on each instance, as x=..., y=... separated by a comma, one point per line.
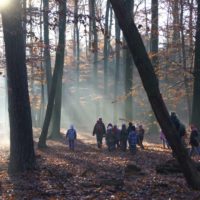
x=57, y=74
x=106, y=53
x=185, y=76
x=154, y=32
x=106, y=56
x=154, y=54
x=129, y=65
x=150, y=83
x=117, y=63
x=196, y=87
x=22, y=156
x=47, y=57
x=95, y=51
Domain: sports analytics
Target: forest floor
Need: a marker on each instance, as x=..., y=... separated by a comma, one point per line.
x=92, y=174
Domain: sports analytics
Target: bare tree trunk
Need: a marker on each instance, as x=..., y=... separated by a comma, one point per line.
x=77, y=44
x=57, y=74
x=90, y=23
x=128, y=62
x=106, y=46
x=154, y=53
x=187, y=88
x=154, y=33
x=95, y=51
x=117, y=63
x=22, y=156
x=47, y=57
x=150, y=83
x=196, y=89
x=106, y=56
x=42, y=97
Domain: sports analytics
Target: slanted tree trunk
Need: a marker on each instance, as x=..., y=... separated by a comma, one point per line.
x=22, y=156
x=57, y=74
x=151, y=86
x=47, y=57
x=196, y=89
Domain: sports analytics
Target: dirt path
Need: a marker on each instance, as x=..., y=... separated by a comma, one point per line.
x=90, y=173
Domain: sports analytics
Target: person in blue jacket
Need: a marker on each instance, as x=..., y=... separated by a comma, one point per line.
x=132, y=140
x=71, y=136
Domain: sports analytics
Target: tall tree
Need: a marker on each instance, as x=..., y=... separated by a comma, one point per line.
x=184, y=61
x=57, y=74
x=22, y=156
x=154, y=33
x=150, y=83
x=106, y=47
x=128, y=62
x=196, y=89
x=176, y=22
x=95, y=50
x=42, y=78
x=106, y=55
x=76, y=39
x=47, y=56
x=117, y=63
x=154, y=53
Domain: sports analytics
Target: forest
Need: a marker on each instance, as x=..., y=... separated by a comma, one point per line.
x=83, y=82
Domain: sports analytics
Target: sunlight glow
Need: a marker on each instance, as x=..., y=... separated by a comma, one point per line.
x=4, y=3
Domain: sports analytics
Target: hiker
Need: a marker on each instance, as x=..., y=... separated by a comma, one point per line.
x=123, y=137
x=100, y=131
x=130, y=124
x=164, y=140
x=116, y=133
x=132, y=140
x=71, y=136
x=194, y=141
x=110, y=138
x=141, y=132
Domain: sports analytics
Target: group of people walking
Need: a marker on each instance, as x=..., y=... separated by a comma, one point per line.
x=131, y=136
x=118, y=138
x=194, y=136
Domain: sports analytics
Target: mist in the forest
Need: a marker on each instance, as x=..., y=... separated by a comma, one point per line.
x=4, y=122
x=84, y=105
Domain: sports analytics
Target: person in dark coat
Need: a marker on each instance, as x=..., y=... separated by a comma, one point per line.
x=141, y=132
x=179, y=127
x=116, y=132
x=100, y=131
x=194, y=142
x=132, y=140
x=130, y=124
x=110, y=138
x=123, y=138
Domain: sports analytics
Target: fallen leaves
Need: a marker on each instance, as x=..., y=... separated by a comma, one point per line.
x=89, y=173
